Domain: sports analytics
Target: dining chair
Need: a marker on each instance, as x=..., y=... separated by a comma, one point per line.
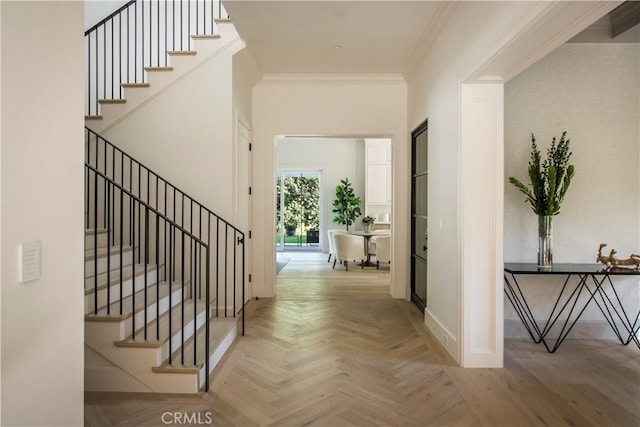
x=330, y=234
x=383, y=250
x=348, y=248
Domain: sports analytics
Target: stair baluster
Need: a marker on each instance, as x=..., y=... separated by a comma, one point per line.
x=130, y=39
x=146, y=215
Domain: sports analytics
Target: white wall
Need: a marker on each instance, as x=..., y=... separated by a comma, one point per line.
x=185, y=134
x=246, y=74
x=593, y=92
x=337, y=158
x=42, y=199
x=434, y=92
x=96, y=10
x=353, y=106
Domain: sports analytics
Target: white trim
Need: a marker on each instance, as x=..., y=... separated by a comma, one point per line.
x=241, y=120
x=482, y=193
x=434, y=28
x=544, y=27
x=331, y=79
x=399, y=287
x=442, y=334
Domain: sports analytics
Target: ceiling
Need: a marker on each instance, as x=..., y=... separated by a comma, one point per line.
x=363, y=37
x=621, y=25
x=302, y=37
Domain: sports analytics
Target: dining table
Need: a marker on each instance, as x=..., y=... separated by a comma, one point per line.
x=367, y=237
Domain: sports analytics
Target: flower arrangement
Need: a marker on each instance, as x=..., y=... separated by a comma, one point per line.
x=368, y=220
x=550, y=179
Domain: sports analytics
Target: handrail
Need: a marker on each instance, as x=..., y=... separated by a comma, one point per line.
x=138, y=35
x=189, y=289
x=109, y=17
x=209, y=211
x=151, y=210
x=172, y=236
x=146, y=205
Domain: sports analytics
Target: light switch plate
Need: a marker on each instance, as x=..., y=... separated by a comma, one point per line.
x=29, y=261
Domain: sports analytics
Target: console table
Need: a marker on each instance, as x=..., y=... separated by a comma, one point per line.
x=591, y=279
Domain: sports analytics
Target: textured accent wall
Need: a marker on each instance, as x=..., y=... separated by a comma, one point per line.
x=593, y=92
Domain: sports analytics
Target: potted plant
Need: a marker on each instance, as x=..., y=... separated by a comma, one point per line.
x=346, y=205
x=550, y=180
x=367, y=223
x=290, y=229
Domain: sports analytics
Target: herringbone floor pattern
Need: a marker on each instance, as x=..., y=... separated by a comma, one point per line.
x=333, y=349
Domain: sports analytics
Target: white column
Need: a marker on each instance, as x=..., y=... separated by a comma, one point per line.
x=481, y=217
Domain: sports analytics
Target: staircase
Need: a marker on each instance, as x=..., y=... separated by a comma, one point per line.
x=164, y=279
x=128, y=65
x=164, y=275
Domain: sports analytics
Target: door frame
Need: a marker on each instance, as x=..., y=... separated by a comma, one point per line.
x=241, y=121
x=419, y=130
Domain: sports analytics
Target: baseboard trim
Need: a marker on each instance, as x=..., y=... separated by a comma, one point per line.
x=443, y=335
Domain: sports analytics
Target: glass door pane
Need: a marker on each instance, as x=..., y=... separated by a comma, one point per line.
x=419, y=215
x=298, y=210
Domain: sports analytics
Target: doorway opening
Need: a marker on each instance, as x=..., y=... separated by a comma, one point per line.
x=365, y=161
x=298, y=210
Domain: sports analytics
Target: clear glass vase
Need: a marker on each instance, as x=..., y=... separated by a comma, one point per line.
x=545, y=241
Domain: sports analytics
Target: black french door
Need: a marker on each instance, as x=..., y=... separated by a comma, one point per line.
x=419, y=210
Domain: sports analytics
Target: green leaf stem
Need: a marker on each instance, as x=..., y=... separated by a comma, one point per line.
x=549, y=179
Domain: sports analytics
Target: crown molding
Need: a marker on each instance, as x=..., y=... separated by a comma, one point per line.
x=332, y=79
x=544, y=27
x=434, y=28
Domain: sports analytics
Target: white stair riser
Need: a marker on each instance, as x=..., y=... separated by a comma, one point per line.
x=114, y=262
x=206, y=47
x=217, y=355
x=134, y=96
x=122, y=329
x=182, y=63
x=159, y=79
x=188, y=333
x=138, y=362
x=226, y=30
x=151, y=316
x=114, y=274
x=127, y=285
x=101, y=336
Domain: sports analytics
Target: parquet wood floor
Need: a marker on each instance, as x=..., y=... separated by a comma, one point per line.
x=333, y=349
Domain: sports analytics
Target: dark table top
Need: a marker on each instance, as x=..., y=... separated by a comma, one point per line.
x=558, y=268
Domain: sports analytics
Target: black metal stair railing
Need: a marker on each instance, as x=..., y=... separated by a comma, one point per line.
x=138, y=35
x=172, y=238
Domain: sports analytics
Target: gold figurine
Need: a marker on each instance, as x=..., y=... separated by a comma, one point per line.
x=612, y=261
